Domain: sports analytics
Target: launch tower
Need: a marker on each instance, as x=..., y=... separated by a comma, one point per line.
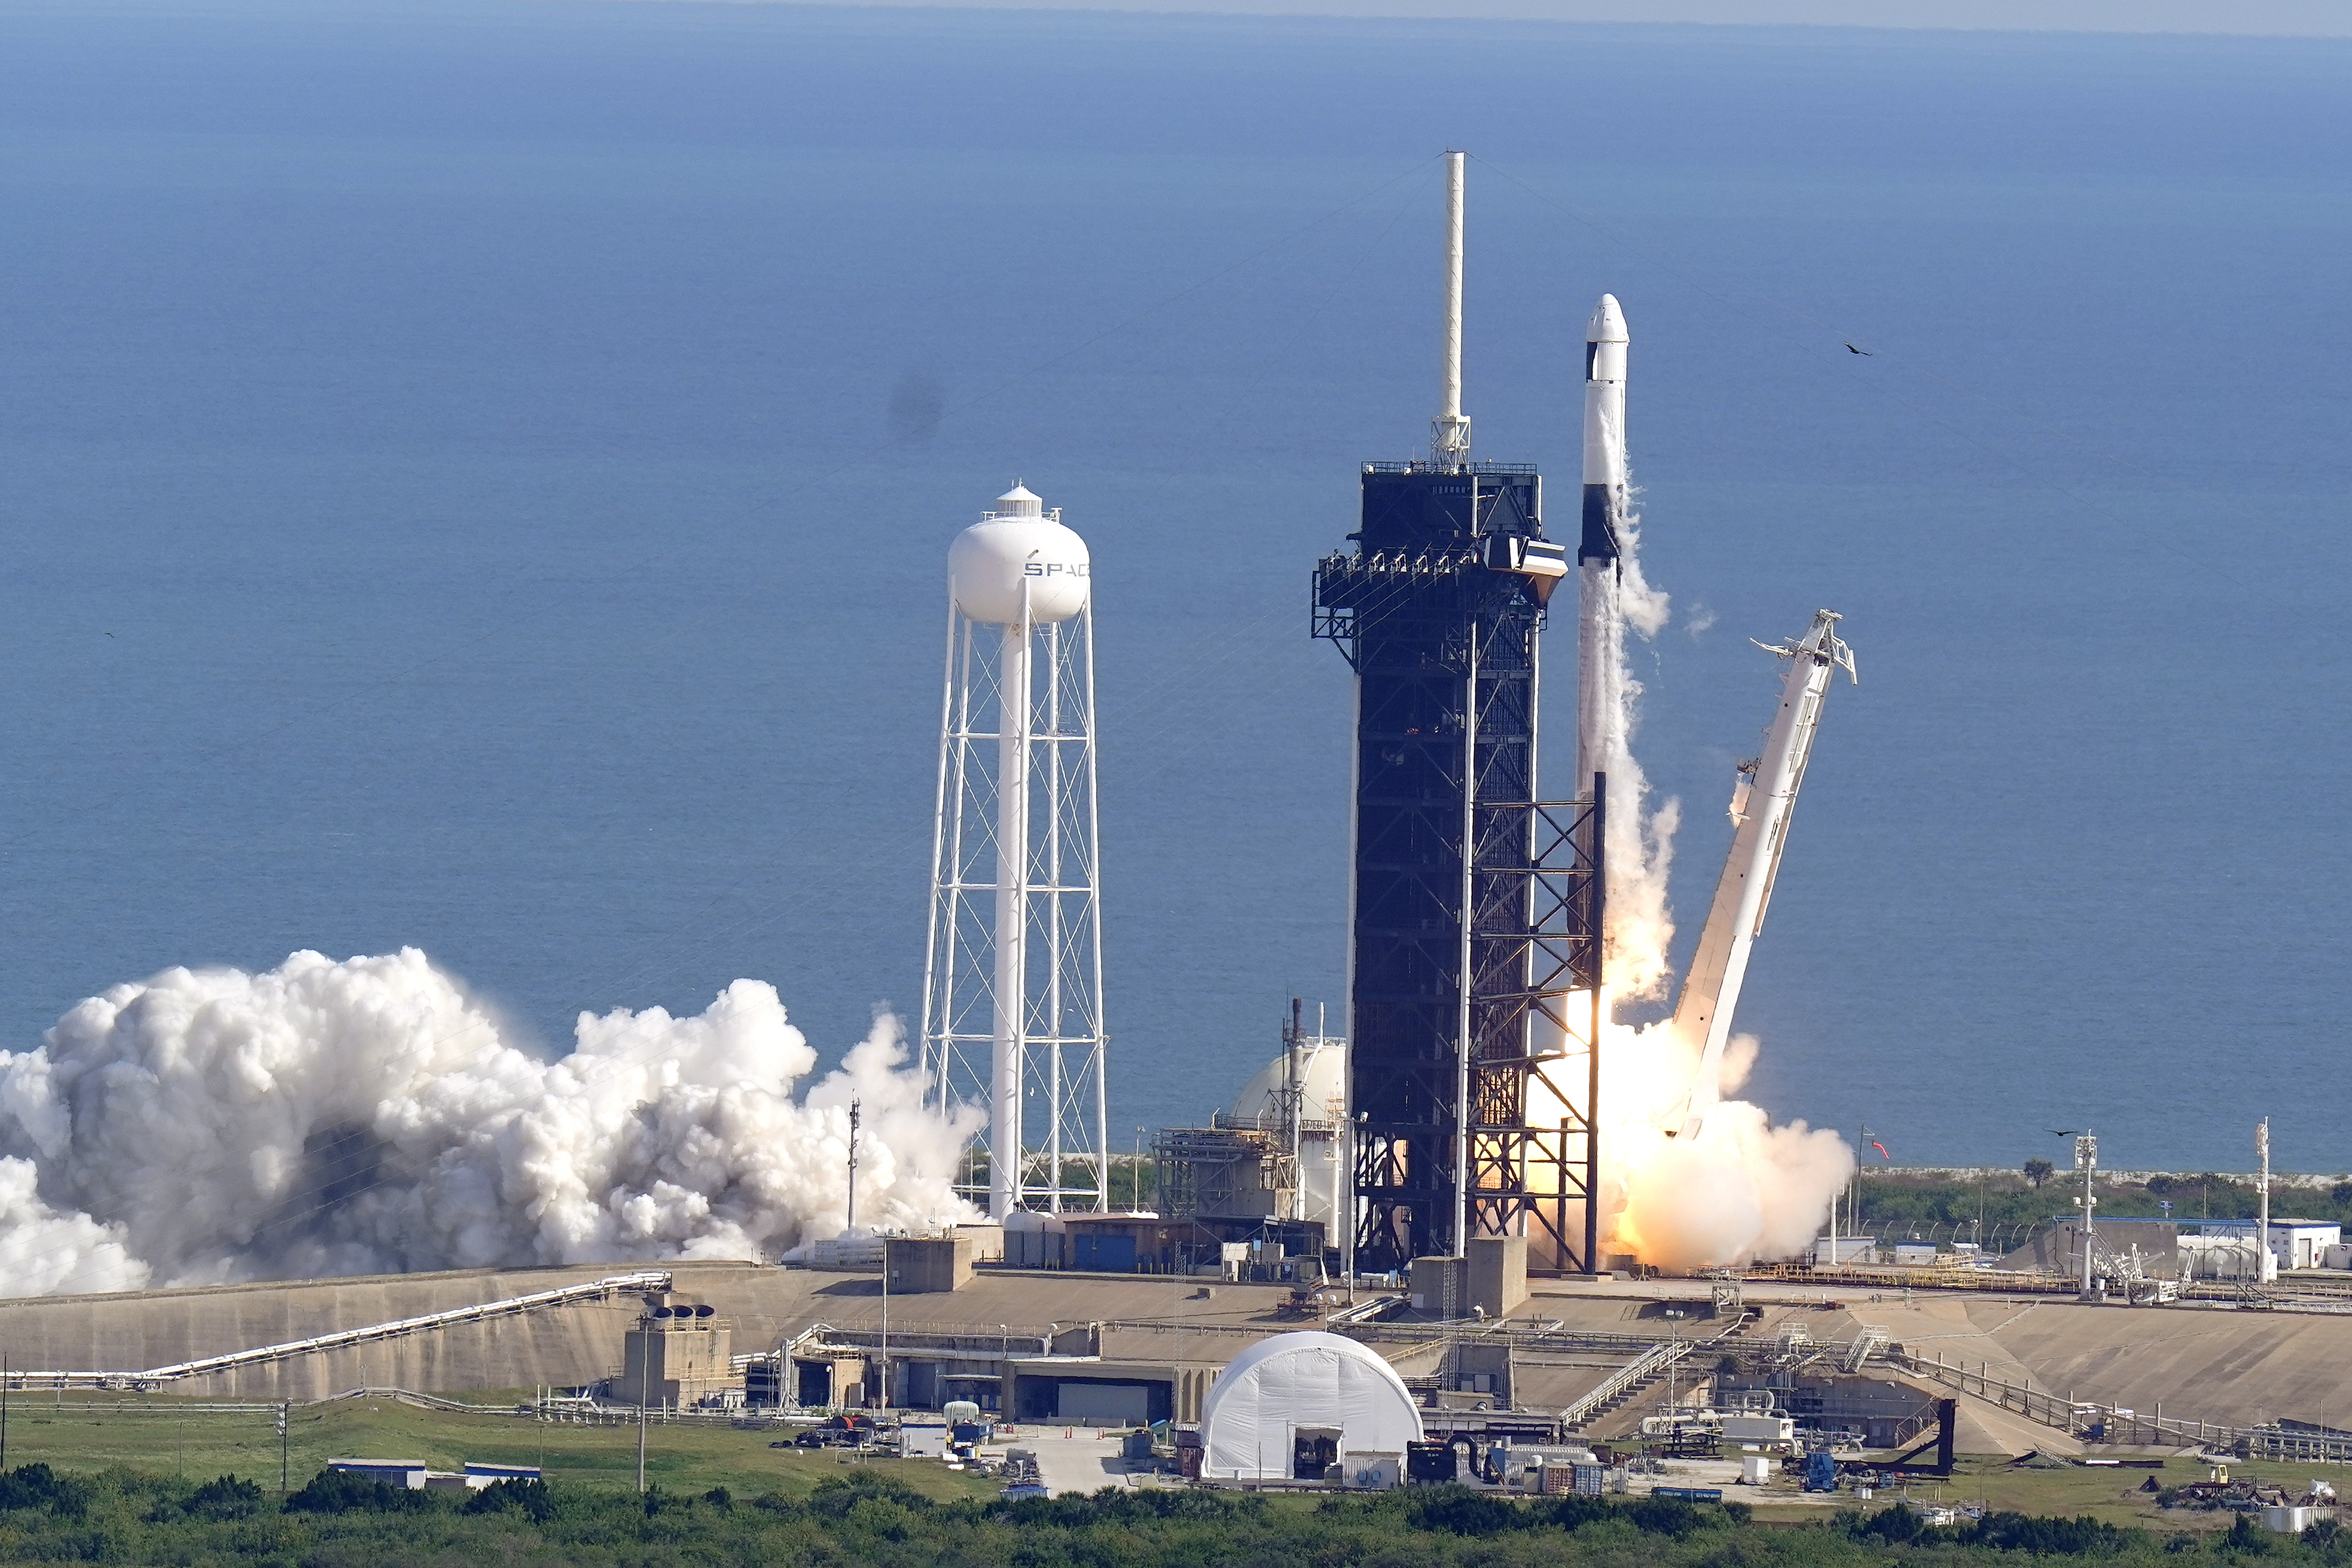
x=1475, y=958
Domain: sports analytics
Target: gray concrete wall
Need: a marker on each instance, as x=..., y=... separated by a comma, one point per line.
x=1498, y=1274
x=559, y=1345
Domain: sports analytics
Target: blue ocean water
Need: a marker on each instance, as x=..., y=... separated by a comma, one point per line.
x=469, y=479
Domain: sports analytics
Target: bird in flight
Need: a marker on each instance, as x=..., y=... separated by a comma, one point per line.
x=1852, y=350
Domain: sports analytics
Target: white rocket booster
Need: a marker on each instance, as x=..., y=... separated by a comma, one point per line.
x=1599, y=636
x=1762, y=804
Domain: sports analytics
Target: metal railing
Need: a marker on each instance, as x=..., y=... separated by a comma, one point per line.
x=1585, y=1406
x=2123, y=1426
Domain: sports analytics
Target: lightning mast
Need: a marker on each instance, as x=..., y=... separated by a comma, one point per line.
x=1762, y=804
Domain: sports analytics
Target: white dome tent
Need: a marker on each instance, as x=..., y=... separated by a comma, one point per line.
x=1304, y=1400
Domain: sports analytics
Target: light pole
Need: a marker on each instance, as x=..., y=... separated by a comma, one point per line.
x=2087, y=1161
x=1674, y=1319
x=2263, y=1273
x=1853, y=1199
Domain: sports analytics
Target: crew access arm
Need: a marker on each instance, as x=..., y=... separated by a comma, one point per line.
x=1761, y=805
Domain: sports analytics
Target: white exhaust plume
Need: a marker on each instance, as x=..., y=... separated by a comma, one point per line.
x=365, y=1117
x=1742, y=1189
x=1641, y=847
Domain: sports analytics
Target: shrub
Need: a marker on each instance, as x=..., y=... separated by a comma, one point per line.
x=2245, y=1535
x=340, y=1491
x=1458, y=1510
x=1894, y=1524
x=521, y=1492
x=1577, y=1510
x=2047, y=1537
x=1666, y=1516
x=37, y=1486
x=224, y=1497
x=834, y=1498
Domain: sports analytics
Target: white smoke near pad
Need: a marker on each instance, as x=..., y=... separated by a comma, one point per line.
x=366, y=1115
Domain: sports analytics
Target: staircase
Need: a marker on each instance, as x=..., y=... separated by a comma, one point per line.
x=1866, y=1344
x=1625, y=1385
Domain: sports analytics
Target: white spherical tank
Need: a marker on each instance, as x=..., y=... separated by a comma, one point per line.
x=1016, y=548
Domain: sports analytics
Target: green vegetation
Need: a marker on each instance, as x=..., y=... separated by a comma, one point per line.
x=1133, y=1181
x=870, y=1516
x=138, y=1479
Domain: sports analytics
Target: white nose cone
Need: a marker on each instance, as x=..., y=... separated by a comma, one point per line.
x=1608, y=323
x=1017, y=557
x=1604, y=343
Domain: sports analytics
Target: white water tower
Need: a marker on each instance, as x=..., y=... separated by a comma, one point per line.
x=1013, y=975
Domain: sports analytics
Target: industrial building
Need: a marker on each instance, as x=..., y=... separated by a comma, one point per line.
x=1267, y=1175
x=678, y=1355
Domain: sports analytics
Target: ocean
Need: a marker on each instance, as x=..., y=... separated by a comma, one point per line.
x=478, y=475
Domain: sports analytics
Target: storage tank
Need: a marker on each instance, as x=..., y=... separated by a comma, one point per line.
x=1323, y=1111
x=1017, y=546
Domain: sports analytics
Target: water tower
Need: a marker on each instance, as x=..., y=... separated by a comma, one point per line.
x=1013, y=974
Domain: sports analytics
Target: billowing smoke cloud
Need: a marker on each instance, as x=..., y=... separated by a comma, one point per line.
x=1742, y=1189
x=366, y=1115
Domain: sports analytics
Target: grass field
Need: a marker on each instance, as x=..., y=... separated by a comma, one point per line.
x=173, y=1437
x=86, y=1432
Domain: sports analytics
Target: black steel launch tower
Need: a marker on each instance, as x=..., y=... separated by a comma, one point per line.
x=1478, y=907
x=1474, y=954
